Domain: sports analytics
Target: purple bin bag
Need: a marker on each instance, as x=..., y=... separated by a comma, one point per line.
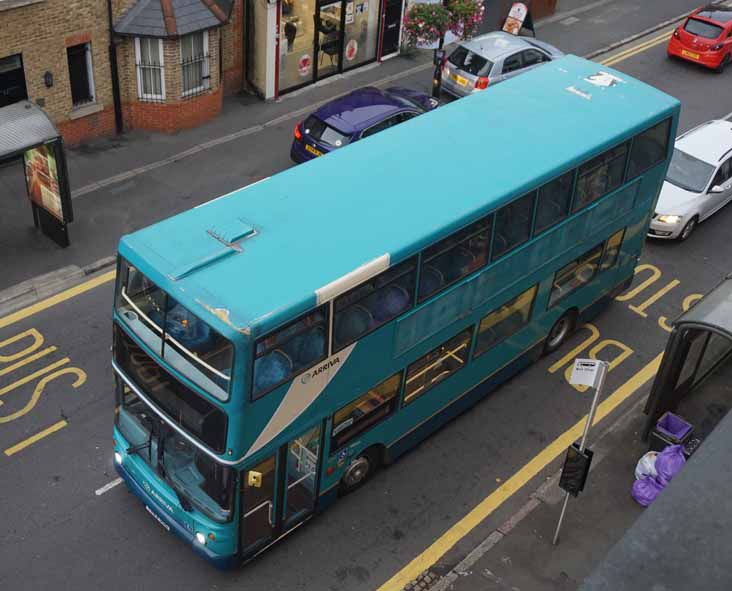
x=669, y=463
x=645, y=491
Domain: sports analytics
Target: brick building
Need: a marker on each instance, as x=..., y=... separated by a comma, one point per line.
x=56, y=52
x=168, y=63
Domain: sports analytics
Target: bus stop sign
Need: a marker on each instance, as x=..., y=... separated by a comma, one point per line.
x=575, y=470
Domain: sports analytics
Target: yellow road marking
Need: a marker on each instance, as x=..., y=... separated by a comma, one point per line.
x=56, y=299
x=623, y=55
x=33, y=376
x=27, y=360
x=33, y=438
x=493, y=501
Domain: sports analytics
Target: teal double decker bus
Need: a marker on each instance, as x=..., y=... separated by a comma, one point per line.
x=275, y=346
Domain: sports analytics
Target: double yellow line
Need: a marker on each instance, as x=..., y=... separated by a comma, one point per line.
x=636, y=49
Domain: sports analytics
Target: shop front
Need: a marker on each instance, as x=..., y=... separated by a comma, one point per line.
x=317, y=39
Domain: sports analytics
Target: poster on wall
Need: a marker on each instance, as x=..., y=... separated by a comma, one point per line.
x=42, y=178
x=349, y=13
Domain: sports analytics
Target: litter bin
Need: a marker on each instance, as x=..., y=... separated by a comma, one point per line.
x=670, y=429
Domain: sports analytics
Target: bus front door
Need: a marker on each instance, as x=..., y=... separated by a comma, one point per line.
x=280, y=492
x=257, y=506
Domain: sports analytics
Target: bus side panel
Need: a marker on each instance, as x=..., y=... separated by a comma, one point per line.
x=463, y=403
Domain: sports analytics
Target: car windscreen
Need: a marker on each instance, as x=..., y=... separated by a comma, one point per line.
x=180, y=404
x=172, y=331
x=688, y=172
x=321, y=132
x=702, y=29
x=469, y=62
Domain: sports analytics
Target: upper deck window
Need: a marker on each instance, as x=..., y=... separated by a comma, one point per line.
x=173, y=332
x=290, y=350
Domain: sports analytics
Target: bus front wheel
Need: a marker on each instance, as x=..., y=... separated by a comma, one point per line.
x=560, y=331
x=359, y=471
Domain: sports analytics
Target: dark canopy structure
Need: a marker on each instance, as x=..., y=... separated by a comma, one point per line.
x=701, y=341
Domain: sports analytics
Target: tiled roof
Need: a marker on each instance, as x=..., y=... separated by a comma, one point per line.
x=172, y=18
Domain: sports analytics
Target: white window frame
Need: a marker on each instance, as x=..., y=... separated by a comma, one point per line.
x=138, y=60
x=89, y=76
x=205, y=70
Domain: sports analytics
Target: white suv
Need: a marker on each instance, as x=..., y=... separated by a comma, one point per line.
x=698, y=182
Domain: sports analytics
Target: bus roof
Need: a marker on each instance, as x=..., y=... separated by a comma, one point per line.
x=256, y=257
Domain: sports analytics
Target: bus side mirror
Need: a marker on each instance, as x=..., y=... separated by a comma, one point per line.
x=254, y=479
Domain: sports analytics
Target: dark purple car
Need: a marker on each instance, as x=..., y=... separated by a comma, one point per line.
x=354, y=116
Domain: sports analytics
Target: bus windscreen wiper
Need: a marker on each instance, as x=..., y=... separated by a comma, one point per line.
x=184, y=502
x=139, y=447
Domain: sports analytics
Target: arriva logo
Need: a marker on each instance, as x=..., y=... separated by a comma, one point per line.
x=149, y=489
x=306, y=377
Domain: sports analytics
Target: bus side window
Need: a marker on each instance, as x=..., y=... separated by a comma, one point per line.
x=513, y=225
x=438, y=364
x=290, y=351
x=364, y=412
x=505, y=321
x=599, y=176
x=649, y=148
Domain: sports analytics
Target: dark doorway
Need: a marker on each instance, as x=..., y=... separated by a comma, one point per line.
x=392, y=20
x=12, y=80
x=79, y=74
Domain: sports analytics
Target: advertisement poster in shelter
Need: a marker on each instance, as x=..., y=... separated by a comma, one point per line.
x=42, y=178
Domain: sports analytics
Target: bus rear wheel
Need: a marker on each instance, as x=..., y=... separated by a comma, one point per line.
x=560, y=331
x=359, y=471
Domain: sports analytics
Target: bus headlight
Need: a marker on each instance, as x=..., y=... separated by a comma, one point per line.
x=669, y=219
x=200, y=538
x=118, y=457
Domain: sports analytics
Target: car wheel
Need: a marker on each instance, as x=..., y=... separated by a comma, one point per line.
x=560, y=331
x=359, y=471
x=688, y=229
x=723, y=64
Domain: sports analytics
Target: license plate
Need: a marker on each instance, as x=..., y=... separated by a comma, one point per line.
x=312, y=150
x=691, y=54
x=459, y=79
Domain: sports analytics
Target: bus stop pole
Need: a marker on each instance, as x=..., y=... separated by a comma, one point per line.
x=583, y=441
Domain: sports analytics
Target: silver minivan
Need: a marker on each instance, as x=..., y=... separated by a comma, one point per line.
x=492, y=58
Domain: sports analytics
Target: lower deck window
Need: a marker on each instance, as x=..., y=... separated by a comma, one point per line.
x=364, y=412
x=505, y=321
x=574, y=275
x=437, y=365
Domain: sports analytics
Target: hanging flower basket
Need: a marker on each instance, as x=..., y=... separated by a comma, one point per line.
x=424, y=23
x=465, y=17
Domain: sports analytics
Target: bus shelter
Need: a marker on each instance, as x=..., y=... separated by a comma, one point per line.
x=696, y=362
x=27, y=133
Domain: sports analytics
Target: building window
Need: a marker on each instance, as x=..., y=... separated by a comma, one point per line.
x=150, y=69
x=12, y=80
x=80, y=74
x=194, y=63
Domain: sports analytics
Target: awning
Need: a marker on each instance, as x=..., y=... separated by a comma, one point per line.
x=23, y=125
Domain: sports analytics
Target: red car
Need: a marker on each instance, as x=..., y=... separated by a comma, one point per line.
x=705, y=38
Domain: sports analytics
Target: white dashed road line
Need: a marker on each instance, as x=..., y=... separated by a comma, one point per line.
x=107, y=487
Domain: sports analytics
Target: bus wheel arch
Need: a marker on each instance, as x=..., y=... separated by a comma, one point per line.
x=361, y=469
x=561, y=330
